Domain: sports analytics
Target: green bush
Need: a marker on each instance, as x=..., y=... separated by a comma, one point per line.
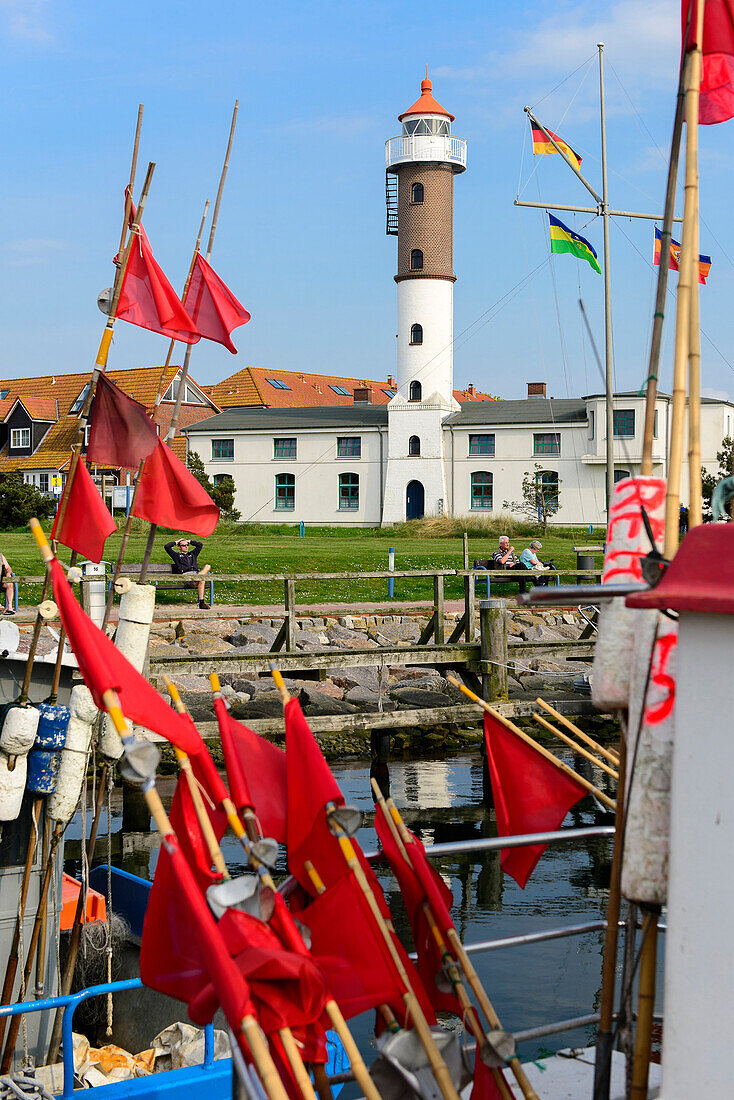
x=20, y=502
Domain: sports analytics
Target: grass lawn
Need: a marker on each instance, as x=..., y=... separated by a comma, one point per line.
x=259, y=549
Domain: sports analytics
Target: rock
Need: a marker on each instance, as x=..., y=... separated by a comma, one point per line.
x=306, y=640
x=266, y=704
x=349, y=639
x=410, y=673
x=361, y=677
x=317, y=702
x=531, y=633
x=326, y=687
x=204, y=645
x=569, y=618
x=169, y=650
x=189, y=682
x=392, y=633
x=369, y=701
x=251, y=647
x=254, y=632
x=419, y=697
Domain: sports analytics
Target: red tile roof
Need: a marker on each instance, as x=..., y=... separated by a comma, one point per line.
x=426, y=105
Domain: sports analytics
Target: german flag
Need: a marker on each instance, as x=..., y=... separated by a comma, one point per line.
x=704, y=262
x=542, y=146
x=564, y=239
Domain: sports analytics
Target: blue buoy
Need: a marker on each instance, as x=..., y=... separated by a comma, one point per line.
x=45, y=756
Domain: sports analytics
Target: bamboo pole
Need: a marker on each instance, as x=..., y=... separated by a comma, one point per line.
x=540, y=749
x=645, y=1002
x=576, y=748
x=662, y=283
x=249, y=1027
x=695, y=489
x=688, y=266
x=12, y=963
x=131, y=181
x=608, y=754
x=37, y=625
x=605, y=1035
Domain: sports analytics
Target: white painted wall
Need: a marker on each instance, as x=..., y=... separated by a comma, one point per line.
x=422, y=419
x=430, y=303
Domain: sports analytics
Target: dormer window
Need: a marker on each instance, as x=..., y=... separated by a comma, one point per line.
x=416, y=193
x=20, y=438
x=416, y=260
x=79, y=403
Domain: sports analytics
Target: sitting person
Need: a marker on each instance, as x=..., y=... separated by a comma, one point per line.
x=6, y=572
x=504, y=556
x=185, y=561
x=530, y=560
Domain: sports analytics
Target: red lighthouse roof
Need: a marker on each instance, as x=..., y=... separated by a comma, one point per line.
x=426, y=105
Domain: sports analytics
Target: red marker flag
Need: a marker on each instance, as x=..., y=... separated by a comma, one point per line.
x=86, y=523
x=104, y=668
x=120, y=433
x=716, y=102
x=530, y=795
x=256, y=771
x=484, y=1086
x=212, y=306
x=170, y=495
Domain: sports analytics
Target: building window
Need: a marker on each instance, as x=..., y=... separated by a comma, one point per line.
x=389, y=393
x=223, y=450
x=416, y=192
x=349, y=446
x=285, y=492
x=624, y=423
x=78, y=404
x=191, y=396
x=546, y=488
x=416, y=260
x=222, y=479
x=620, y=475
x=278, y=384
x=284, y=448
x=481, y=491
x=43, y=482
x=591, y=423
x=546, y=443
x=415, y=391
x=348, y=491
x=340, y=390
x=414, y=445
x=416, y=334
x=20, y=437
x=481, y=444
x=655, y=425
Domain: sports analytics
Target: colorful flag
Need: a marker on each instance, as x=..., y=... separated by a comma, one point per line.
x=212, y=306
x=484, y=1086
x=716, y=102
x=120, y=431
x=147, y=298
x=530, y=795
x=170, y=495
x=86, y=523
x=542, y=146
x=256, y=772
x=704, y=262
x=564, y=239
x=104, y=668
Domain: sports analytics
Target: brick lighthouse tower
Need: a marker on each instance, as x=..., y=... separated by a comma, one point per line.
x=420, y=168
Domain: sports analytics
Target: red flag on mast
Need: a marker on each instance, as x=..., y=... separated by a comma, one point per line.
x=86, y=523
x=716, y=102
x=256, y=771
x=170, y=495
x=212, y=306
x=120, y=431
x=530, y=795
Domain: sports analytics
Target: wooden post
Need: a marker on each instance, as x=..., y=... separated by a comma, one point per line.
x=469, y=607
x=695, y=489
x=438, y=623
x=646, y=998
x=466, y=550
x=493, y=647
x=290, y=614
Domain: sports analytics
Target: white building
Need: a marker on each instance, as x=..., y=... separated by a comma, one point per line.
x=424, y=453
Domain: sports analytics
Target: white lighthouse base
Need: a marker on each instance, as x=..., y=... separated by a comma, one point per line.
x=421, y=419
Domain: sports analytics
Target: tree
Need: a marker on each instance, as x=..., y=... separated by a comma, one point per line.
x=222, y=493
x=725, y=458
x=19, y=502
x=541, y=490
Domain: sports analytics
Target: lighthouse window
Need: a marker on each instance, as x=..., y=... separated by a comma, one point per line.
x=416, y=192
x=414, y=445
x=481, y=490
x=415, y=393
x=416, y=260
x=416, y=334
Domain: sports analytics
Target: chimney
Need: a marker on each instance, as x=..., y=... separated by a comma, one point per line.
x=391, y=382
x=537, y=389
x=362, y=395
x=471, y=389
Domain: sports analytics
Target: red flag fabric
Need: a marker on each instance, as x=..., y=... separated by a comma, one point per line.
x=103, y=667
x=170, y=495
x=310, y=786
x=185, y=824
x=256, y=771
x=716, y=102
x=530, y=795
x=147, y=298
x=86, y=523
x=430, y=963
x=212, y=306
x=121, y=433
x=484, y=1087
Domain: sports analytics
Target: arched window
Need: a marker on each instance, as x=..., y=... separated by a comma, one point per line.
x=620, y=475
x=415, y=392
x=414, y=445
x=285, y=492
x=222, y=479
x=416, y=192
x=416, y=260
x=481, y=491
x=416, y=334
x=348, y=491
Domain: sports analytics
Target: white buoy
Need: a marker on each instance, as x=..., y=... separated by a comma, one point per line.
x=137, y=605
x=12, y=785
x=19, y=730
x=63, y=802
x=627, y=544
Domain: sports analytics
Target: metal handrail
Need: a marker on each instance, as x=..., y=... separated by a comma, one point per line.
x=492, y=843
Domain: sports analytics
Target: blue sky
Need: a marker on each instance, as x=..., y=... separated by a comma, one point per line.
x=301, y=237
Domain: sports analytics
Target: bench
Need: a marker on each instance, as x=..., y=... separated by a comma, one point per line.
x=520, y=577
x=159, y=575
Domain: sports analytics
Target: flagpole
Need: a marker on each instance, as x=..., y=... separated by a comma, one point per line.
x=574, y=747
x=609, y=362
x=608, y=754
x=695, y=489
x=131, y=183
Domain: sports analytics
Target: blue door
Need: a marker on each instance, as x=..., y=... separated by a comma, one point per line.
x=414, y=500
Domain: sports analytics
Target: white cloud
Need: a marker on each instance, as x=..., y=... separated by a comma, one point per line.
x=717, y=395
x=26, y=19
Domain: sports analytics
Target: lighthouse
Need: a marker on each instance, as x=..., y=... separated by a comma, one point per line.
x=420, y=167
